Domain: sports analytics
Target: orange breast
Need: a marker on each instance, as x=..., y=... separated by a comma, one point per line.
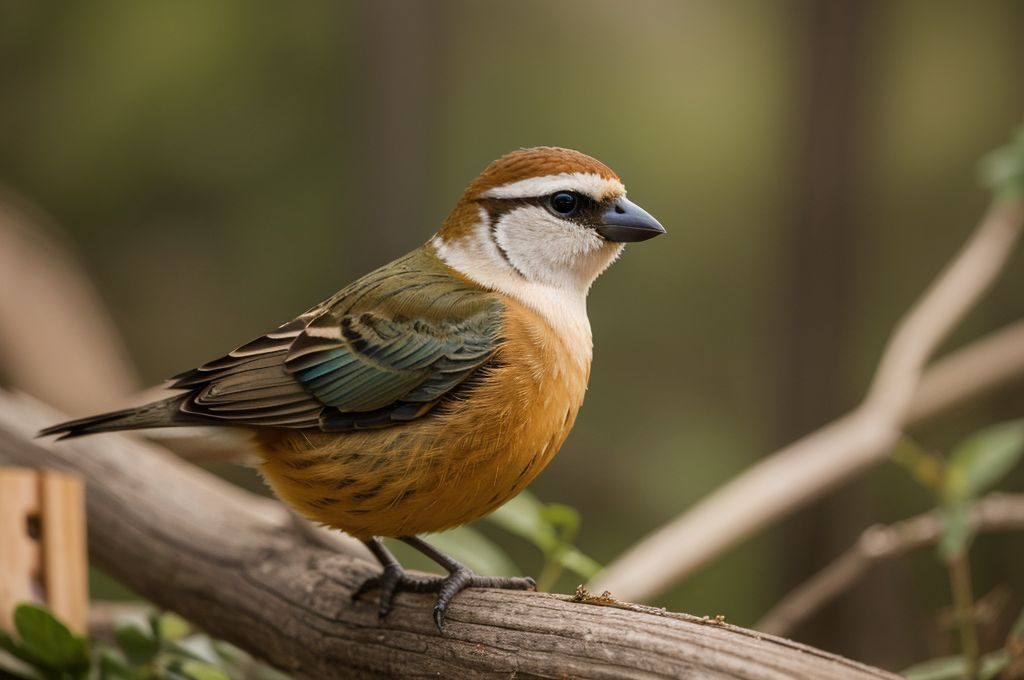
x=462, y=461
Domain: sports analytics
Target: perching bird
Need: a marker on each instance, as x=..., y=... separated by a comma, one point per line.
x=434, y=389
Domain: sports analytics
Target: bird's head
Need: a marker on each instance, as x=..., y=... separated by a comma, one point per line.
x=542, y=217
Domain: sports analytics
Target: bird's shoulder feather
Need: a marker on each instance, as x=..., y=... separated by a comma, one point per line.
x=385, y=349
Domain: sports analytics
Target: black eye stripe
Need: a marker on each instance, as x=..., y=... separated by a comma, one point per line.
x=587, y=210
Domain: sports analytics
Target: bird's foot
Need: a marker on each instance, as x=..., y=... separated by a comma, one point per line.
x=395, y=580
x=462, y=578
x=392, y=581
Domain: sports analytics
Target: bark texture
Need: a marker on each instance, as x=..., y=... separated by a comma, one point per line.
x=235, y=565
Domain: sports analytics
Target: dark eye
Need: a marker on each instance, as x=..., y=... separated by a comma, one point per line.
x=566, y=202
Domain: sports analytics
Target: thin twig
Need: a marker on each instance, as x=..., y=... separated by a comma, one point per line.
x=963, y=607
x=806, y=469
x=996, y=512
x=981, y=367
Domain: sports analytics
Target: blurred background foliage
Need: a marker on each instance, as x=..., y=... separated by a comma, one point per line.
x=221, y=166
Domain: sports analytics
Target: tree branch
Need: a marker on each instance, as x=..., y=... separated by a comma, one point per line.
x=231, y=563
x=45, y=300
x=995, y=512
x=980, y=368
x=38, y=271
x=806, y=469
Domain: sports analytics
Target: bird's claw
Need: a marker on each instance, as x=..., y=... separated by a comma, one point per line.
x=394, y=580
x=463, y=578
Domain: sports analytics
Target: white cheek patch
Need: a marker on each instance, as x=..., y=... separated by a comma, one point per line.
x=589, y=184
x=546, y=263
x=549, y=250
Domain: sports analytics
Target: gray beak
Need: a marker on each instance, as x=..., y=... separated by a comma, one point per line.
x=626, y=222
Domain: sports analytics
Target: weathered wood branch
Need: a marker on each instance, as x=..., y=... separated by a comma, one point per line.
x=233, y=564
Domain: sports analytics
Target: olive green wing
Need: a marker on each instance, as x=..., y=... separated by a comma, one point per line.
x=385, y=350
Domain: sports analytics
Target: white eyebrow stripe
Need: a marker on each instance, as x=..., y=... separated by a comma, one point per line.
x=589, y=184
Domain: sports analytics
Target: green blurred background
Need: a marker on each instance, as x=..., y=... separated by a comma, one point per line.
x=222, y=166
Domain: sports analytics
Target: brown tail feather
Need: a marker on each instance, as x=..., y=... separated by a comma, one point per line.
x=166, y=413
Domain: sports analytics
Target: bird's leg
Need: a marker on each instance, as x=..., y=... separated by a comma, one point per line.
x=395, y=579
x=460, y=577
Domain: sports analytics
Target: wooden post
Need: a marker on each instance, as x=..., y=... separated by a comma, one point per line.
x=42, y=544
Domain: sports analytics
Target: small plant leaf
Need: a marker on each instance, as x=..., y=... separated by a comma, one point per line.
x=954, y=667
x=523, y=517
x=197, y=670
x=565, y=519
x=228, y=653
x=8, y=644
x=981, y=460
x=112, y=668
x=16, y=671
x=138, y=643
x=170, y=627
x=171, y=674
x=550, y=527
x=580, y=564
x=49, y=642
x=200, y=647
x=1002, y=170
x=184, y=668
x=17, y=662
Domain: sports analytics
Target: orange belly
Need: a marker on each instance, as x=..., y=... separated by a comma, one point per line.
x=460, y=462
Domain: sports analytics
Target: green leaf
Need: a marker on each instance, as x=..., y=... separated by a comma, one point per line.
x=198, y=670
x=954, y=667
x=189, y=669
x=1002, y=170
x=475, y=550
x=227, y=653
x=8, y=645
x=137, y=641
x=199, y=647
x=565, y=519
x=523, y=516
x=580, y=564
x=981, y=460
x=172, y=674
x=17, y=662
x=49, y=641
x=170, y=627
x=551, y=528
x=9, y=668
x=112, y=668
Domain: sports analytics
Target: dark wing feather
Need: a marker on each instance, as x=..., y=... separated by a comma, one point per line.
x=380, y=366
x=384, y=350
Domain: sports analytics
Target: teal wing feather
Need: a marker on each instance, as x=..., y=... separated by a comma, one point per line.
x=385, y=350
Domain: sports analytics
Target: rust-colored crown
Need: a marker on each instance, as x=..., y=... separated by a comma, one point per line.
x=538, y=161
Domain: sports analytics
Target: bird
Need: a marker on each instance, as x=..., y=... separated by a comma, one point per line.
x=434, y=389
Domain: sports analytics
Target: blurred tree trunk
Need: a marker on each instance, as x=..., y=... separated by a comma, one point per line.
x=401, y=46
x=820, y=247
